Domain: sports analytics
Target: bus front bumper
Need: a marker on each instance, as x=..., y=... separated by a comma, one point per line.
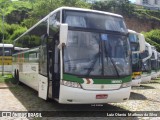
x=136, y=82
x=69, y=95
x=154, y=75
x=146, y=79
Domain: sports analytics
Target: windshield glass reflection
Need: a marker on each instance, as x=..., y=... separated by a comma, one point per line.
x=94, y=54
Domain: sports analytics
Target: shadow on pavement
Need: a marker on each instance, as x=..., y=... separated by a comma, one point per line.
x=155, y=81
x=142, y=87
x=30, y=100
x=137, y=96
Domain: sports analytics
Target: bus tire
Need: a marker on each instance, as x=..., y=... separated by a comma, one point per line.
x=15, y=74
x=14, y=80
x=18, y=82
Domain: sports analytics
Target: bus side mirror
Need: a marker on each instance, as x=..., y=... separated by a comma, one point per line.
x=63, y=35
x=149, y=50
x=156, y=54
x=141, y=42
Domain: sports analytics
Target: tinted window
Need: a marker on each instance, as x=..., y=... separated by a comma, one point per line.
x=33, y=38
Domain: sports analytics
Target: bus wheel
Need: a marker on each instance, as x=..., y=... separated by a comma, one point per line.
x=18, y=82
x=15, y=74
x=14, y=81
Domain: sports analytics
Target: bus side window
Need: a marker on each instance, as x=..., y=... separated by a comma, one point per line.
x=54, y=21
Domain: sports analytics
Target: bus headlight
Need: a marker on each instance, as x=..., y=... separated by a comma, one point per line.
x=138, y=77
x=71, y=84
x=127, y=84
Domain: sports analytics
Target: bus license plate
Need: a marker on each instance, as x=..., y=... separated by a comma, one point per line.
x=102, y=96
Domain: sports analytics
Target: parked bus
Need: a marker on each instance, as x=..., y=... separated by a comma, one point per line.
x=158, y=73
x=76, y=56
x=146, y=63
x=19, y=49
x=6, y=58
x=154, y=63
x=137, y=43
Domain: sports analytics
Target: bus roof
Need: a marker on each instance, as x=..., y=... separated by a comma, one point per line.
x=69, y=8
x=132, y=31
x=88, y=10
x=6, y=45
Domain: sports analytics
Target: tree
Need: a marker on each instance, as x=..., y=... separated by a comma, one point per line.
x=123, y=7
x=43, y=7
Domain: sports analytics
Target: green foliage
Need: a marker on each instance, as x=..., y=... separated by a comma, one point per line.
x=41, y=8
x=118, y=6
x=17, y=33
x=11, y=32
x=153, y=37
x=147, y=15
x=23, y=14
x=124, y=8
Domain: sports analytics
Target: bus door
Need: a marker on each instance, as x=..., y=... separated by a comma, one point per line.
x=43, y=68
x=54, y=65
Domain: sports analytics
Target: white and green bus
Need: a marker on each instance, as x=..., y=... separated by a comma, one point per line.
x=154, y=63
x=146, y=63
x=158, y=55
x=137, y=42
x=76, y=56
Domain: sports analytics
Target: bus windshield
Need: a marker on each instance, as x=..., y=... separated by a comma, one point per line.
x=89, y=20
x=136, y=63
x=146, y=65
x=93, y=48
x=134, y=42
x=154, y=64
x=7, y=51
x=96, y=54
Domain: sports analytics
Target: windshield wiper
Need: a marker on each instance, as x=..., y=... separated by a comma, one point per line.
x=112, y=61
x=143, y=64
x=93, y=63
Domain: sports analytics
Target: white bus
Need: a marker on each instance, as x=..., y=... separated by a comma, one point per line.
x=158, y=73
x=6, y=58
x=137, y=42
x=76, y=56
x=154, y=63
x=146, y=63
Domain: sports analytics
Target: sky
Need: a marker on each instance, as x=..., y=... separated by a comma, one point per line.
x=132, y=1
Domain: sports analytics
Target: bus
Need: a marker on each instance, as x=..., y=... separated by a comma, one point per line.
x=6, y=58
x=76, y=56
x=158, y=73
x=146, y=63
x=137, y=43
x=154, y=63
x=18, y=49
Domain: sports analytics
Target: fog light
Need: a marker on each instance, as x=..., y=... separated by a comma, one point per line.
x=70, y=84
x=127, y=84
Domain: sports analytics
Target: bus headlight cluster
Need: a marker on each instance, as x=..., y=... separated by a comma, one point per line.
x=138, y=77
x=71, y=84
x=127, y=84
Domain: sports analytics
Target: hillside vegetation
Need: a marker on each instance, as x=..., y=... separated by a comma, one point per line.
x=21, y=15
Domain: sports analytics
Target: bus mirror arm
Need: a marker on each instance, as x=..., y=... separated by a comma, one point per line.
x=63, y=35
x=60, y=46
x=141, y=42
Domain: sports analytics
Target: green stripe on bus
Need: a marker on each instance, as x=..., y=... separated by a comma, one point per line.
x=74, y=78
